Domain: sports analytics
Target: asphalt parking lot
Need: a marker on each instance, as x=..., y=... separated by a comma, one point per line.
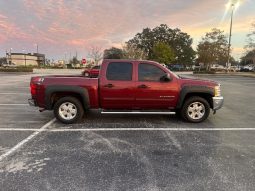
x=126, y=152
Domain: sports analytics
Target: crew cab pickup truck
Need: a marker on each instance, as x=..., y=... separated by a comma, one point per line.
x=126, y=86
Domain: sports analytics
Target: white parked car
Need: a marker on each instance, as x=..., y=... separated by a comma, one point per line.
x=11, y=65
x=218, y=67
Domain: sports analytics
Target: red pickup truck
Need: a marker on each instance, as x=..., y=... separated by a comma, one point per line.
x=126, y=86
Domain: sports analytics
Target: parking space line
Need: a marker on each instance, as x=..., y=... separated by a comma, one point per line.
x=129, y=129
x=20, y=144
x=13, y=104
x=11, y=93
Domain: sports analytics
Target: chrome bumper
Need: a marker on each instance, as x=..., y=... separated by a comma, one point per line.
x=217, y=102
x=31, y=102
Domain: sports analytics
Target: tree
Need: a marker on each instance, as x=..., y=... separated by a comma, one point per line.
x=96, y=54
x=249, y=57
x=213, y=48
x=74, y=61
x=251, y=39
x=179, y=41
x=162, y=53
x=113, y=53
x=3, y=60
x=132, y=52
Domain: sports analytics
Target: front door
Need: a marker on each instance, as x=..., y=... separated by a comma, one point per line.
x=117, y=86
x=151, y=92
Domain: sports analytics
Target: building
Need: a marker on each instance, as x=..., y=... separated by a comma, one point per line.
x=22, y=59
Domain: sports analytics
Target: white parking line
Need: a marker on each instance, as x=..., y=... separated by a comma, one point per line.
x=12, y=93
x=11, y=84
x=13, y=104
x=129, y=129
x=20, y=144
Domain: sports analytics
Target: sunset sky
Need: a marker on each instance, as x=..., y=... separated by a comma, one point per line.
x=62, y=27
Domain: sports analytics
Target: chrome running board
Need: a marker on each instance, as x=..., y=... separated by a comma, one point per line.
x=138, y=112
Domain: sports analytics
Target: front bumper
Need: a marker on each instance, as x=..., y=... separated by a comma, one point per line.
x=32, y=102
x=217, y=103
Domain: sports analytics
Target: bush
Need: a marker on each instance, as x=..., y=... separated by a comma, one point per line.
x=19, y=69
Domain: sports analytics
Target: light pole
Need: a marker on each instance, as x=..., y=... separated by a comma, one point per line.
x=230, y=33
x=36, y=48
x=24, y=52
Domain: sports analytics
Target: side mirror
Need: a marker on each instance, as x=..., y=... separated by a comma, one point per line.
x=166, y=78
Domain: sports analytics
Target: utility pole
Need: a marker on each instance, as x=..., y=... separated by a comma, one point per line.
x=10, y=61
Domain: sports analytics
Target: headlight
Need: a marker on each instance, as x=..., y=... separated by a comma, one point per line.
x=217, y=92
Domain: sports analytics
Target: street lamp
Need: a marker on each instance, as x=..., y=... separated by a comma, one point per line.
x=230, y=33
x=233, y=4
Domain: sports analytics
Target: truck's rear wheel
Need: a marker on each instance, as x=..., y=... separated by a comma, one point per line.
x=195, y=109
x=68, y=110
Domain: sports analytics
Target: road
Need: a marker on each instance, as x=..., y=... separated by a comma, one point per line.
x=126, y=152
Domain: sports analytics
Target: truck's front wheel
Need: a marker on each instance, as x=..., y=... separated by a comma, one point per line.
x=195, y=109
x=68, y=110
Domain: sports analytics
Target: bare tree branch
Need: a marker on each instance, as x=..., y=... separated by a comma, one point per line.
x=96, y=54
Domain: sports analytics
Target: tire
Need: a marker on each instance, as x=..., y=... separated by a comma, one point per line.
x=68, y=110
x=195, y=109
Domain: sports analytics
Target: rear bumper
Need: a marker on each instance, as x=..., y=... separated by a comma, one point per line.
x=217, y=102
x=32, y=102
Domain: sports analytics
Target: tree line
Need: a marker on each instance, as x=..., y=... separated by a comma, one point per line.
x=173, y=46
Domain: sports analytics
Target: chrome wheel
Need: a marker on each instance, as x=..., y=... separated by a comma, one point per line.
x=67, y=111
x=196, y=110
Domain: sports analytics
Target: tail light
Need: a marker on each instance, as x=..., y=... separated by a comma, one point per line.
x=35, y=81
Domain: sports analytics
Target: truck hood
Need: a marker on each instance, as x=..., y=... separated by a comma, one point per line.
x=196, y=81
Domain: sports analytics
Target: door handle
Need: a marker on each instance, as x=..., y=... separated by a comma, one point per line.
x=108, y=85
x=143, y=86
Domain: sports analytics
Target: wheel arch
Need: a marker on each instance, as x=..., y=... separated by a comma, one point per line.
x=54, y=92
x=189, y=91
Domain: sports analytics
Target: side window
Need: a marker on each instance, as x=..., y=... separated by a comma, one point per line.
x=149, y=72
x=119, y=71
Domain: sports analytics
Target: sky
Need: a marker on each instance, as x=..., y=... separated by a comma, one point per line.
x=61, y=28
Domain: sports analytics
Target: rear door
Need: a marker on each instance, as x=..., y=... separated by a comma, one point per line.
x=150, y=91
x=117, y=86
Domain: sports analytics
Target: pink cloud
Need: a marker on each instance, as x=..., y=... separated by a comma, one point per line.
x=11, y=30
x=77, y=42
x=3, y=17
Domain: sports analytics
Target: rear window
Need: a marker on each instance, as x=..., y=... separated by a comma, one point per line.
x=119, y=71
